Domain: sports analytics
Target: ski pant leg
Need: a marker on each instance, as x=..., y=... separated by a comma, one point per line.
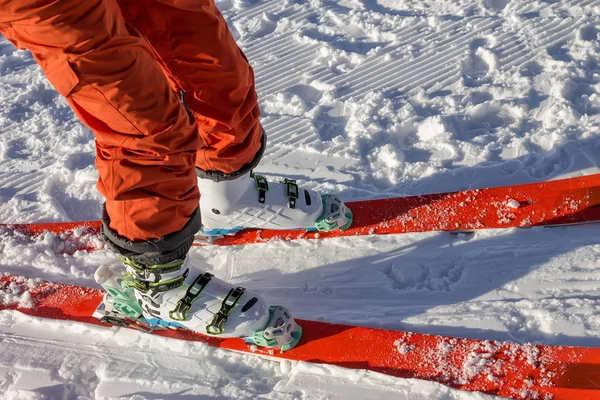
x=201, y=59
x=146, y=142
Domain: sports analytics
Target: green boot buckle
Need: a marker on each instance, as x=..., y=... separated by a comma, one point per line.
x=123, y=299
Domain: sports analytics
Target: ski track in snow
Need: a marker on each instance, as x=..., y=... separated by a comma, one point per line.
x=367, y=99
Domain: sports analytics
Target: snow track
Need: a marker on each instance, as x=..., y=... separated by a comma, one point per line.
x=367, y=99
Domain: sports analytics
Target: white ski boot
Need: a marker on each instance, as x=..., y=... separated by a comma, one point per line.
x=251, y=202
x=177, y=295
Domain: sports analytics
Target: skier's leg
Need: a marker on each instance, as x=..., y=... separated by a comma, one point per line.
x=145, y=140
x=202, y=60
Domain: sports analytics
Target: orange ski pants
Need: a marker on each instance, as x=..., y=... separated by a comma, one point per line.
x=123, y=68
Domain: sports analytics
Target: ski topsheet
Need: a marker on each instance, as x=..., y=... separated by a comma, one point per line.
x=519, y=371
x=560, y=202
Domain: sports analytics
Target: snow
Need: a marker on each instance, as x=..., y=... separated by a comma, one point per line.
x=367, y=99
x=17, y=293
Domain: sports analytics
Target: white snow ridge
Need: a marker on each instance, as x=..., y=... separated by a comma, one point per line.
x=366, y=99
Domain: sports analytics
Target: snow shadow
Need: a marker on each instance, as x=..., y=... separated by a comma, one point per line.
x=510, y=286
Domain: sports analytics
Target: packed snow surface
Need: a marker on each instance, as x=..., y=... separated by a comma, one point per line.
x=366, y=99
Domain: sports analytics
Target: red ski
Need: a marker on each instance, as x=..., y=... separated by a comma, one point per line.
x=518, y=371
x=560, y=202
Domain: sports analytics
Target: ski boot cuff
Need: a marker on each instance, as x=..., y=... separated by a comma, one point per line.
x=156, y=251
x=219, y=176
